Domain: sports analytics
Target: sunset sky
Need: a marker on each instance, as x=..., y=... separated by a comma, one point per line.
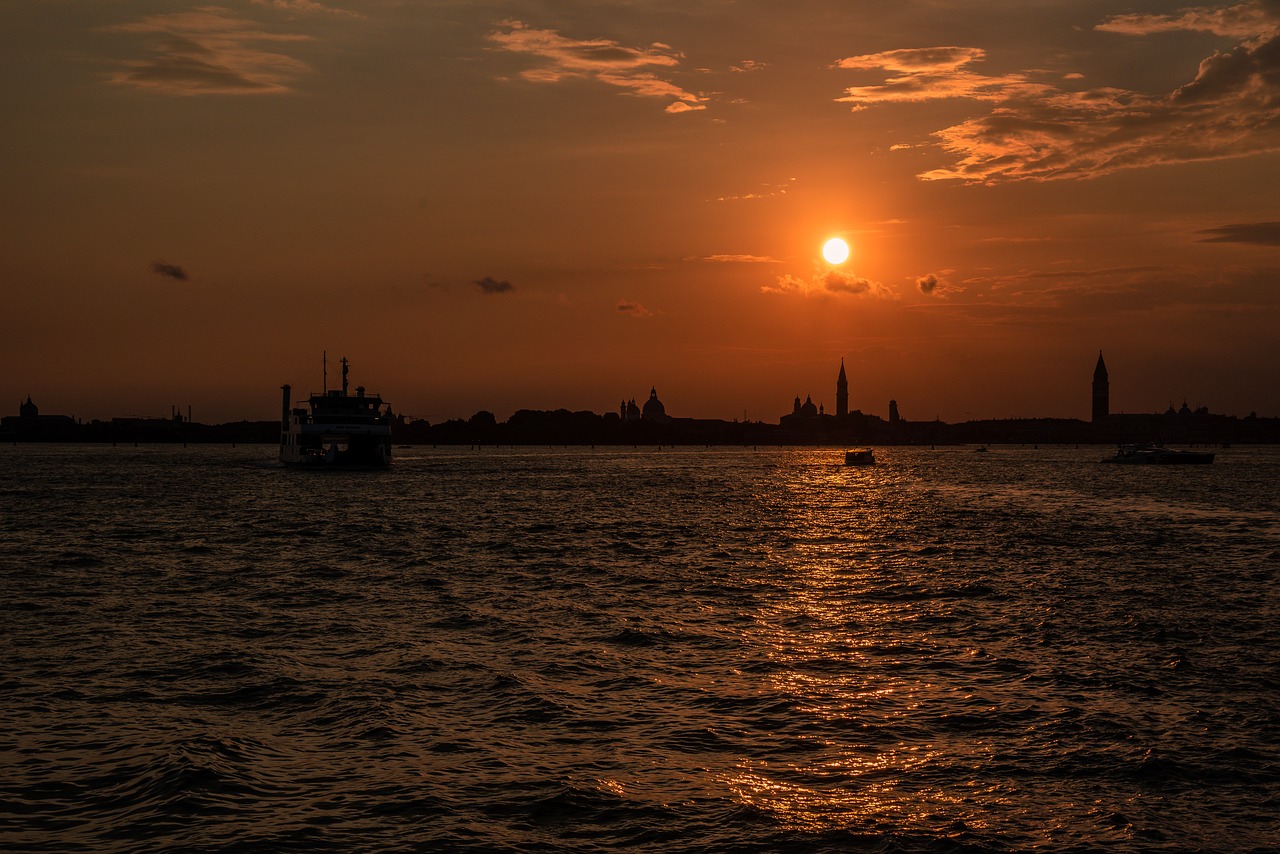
x=507, y=205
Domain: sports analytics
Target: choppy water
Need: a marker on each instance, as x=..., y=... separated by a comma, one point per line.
x=663, y=649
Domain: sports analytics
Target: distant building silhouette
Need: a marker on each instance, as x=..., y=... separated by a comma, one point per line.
x=1185, y=411
x=653, y=410
x=842, y=393
x=894, y=417
x=29, y=424
x=806, y=416
x=1101, y=391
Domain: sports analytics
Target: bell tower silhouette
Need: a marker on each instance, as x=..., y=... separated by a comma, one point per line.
x=842, y=392
x=1101, y=391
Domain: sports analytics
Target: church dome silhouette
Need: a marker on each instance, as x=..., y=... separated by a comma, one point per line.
x=653, y=407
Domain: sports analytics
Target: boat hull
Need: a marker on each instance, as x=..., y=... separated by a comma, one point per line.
x=336, y=450
x=1154, y=455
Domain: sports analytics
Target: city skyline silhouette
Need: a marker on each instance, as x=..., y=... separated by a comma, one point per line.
x=807, y=423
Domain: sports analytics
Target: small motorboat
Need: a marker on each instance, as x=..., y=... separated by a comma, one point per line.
x=860, y=457
x=1158, y=455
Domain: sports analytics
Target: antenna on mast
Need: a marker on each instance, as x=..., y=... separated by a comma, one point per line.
x=324, y=363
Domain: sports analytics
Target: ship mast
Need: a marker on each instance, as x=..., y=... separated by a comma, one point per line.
x=324, y=371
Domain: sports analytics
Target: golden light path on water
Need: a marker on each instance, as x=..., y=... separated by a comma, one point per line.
x=848, y=663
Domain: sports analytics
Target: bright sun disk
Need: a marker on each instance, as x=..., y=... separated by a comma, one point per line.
x=835, y=251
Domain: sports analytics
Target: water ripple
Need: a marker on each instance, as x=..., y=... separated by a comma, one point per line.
x=665, y=650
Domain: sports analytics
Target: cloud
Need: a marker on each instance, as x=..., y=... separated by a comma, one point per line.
x=927, y=60
x=930, y=74
x=634, y=309
x=788, y=284
x=682, y=107
x=306, y=6
x=740, y=259
x=1126, y=295
x=937, y=284
x=207, y=51
x=1242, y=21
x=490, y=285
x=602, y=60
x=768, y=191
x=1258, y=233
x=173, y=271
x=1037, y=131
x=848, y=283
x=825, y=282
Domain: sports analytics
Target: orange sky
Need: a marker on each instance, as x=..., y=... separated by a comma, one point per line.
x=505, y=205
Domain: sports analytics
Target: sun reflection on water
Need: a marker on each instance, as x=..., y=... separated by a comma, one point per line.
x=852, y=638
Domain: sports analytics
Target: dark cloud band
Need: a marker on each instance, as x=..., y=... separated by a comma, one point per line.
x=173, y=271
x=1257, y=233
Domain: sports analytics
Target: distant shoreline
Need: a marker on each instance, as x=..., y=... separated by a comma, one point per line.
x=562, y=427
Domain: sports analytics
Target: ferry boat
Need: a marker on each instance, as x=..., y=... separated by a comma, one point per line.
x=860, y=457
x=1157, y=455
x=336, y=429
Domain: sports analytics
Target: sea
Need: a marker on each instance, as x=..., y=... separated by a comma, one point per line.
x=666, y=649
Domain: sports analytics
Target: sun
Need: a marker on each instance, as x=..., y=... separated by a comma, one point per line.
x=835, y=251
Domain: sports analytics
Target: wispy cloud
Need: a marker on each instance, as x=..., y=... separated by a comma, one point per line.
x=930, y=74
x=739, y=259
x=925, y=60
x=1061, y=297
x=1039, y=131
x=208, y=51
x=1254, y=20
x=489, y=285
x=766, y=191
x=172, y=271
x=634, y=309
x=1258, y=233
x=602, y=60
x=307, y=7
